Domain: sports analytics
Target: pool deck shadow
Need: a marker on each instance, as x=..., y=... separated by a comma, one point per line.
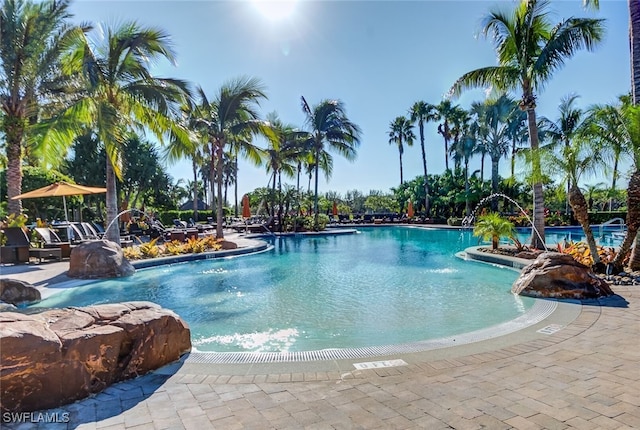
x=576, y=369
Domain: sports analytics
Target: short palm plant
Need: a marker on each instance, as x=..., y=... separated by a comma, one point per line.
x=492, y=227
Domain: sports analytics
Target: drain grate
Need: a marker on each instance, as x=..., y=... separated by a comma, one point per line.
x=379, y=364
x=550, y=329
x=540, y=310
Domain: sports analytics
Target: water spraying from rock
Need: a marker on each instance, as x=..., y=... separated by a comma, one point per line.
x=467, y=222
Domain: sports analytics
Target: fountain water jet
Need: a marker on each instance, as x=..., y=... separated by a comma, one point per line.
x=117, y=217
x=468, y=220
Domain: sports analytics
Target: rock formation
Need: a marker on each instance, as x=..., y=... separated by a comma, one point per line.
x=554, y=275
x=16, y=292
x=99, y=259
x=62, y=355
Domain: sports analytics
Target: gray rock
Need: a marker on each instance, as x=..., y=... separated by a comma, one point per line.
x=554, y=275
x=18, y=292
x=99, y=259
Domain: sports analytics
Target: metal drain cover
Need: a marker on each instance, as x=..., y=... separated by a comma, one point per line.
x=379, y=364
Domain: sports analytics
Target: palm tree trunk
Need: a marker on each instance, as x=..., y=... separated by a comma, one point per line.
x=235, y=183
x=427, y=204
x=315, y=200
x=14, y=133
x=495, y=176
x=273, y=192
x=467, y=206
x=446, y=145
x=634, y=260
x=633, y=220
x=113, y=228
x=634, y=39
x=195, y=189
x=581, y=212
x=219, y=217
x=537, y=238
x=279, y=202
x=401, y=177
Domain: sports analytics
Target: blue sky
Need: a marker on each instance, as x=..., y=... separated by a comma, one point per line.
x=378, y=57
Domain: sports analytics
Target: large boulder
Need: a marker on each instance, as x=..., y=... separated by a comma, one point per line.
x=16, y=292
x=62, y=355
x=99, y=259
x=559, y=276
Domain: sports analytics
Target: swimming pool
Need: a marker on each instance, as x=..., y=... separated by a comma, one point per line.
x=387, y=285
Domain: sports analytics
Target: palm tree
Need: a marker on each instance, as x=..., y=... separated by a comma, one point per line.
x=492, y=227
x=463, y=149
x=281, y=154
x=34, y=38
x=122, y=95
x=604, y=122
x=634, y=38
x=230, y=116
x=625, y=124
x=422, y=112
x=329, y=129
x=573, y=155
x=446, y=112
x=634, y=44
x=530, y=48
x=401, y=131
x=179, y=148
x=495, y=117
x=564, y=129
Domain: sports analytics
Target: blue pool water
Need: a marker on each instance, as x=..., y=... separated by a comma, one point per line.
x=610, y=235
x=381, y=286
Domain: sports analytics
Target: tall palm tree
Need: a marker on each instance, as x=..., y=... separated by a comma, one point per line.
x=634, y=44
x=230, y=115
x=34, y=38
x=329, y=128
x=281, y=156
x=179, y=148
x=530, y=48
x=604, y=122
x=572, y=156
x=463, y=149
x=495, y=118
x=400, y=132
x=625, y=124
x=564, y=129
x=445, y=113
x=422, y=112
x=123, y=95
x=634, y=39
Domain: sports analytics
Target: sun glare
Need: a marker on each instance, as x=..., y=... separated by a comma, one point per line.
x=275, y=10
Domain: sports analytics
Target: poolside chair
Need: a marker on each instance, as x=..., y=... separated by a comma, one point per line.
x=16, y=248
x=51, y=240
x=88, y=230
x=179, y=224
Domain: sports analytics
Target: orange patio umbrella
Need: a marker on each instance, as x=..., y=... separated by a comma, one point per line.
x=246, y=210
x=335, y=209
x=62, y=189
x=410, y=210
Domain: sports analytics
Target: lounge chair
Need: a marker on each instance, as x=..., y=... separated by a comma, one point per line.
x=51, y=240
x=16, y=248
